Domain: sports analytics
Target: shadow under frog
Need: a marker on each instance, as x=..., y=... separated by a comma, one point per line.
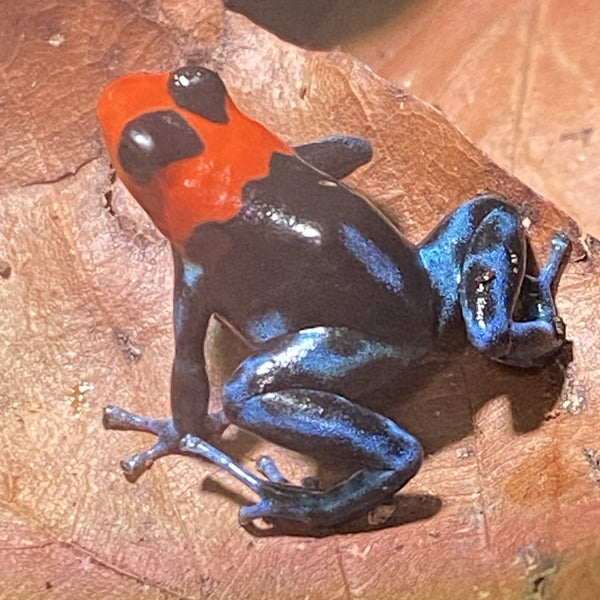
x=336, y=305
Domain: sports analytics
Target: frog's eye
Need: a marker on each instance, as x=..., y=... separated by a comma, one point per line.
x=154, y=140
x=201, y=91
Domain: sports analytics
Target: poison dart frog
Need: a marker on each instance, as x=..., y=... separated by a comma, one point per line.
x=331, y=298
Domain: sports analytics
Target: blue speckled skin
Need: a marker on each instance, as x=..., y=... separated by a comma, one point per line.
x=335, y=302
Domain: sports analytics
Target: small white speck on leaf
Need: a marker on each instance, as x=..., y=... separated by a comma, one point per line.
x=57, y=40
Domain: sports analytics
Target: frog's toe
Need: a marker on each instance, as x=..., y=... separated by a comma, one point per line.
x=266, y=465
x=260, y=510
x=561, y=242
x=559, y=254
x=134, y=466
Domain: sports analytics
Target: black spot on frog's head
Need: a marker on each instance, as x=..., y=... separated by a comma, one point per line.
x=201, y=91
x=154, y=140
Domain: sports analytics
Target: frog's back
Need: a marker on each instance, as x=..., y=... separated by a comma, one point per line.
x=306, y=251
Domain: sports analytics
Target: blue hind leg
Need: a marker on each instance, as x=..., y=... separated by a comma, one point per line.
x=296, y=395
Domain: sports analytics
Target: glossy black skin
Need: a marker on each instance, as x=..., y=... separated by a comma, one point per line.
x=335, y=302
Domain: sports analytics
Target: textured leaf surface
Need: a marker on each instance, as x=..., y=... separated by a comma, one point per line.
x=520, y=78
x=507, y=505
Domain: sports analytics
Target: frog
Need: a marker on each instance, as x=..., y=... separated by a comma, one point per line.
x=332, y=300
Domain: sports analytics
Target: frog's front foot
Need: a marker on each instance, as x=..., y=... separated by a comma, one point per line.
x=134, y=466
x=540, y=290
x=168, y=442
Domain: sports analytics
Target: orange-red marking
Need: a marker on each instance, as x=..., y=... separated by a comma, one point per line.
x=194, y=190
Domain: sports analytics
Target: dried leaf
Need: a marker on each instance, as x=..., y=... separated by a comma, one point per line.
x=86, y=321
x=520, y=79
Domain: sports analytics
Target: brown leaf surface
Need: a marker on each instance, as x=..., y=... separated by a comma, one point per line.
x=520, y=78
x=506, y=506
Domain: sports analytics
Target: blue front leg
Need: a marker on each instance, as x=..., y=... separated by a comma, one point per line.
x=476, y=260
x=296, y=394
x=189, y=381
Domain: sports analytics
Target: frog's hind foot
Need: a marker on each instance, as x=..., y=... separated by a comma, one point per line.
x=134, y=466
x=316, y=508
x=278, y=497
